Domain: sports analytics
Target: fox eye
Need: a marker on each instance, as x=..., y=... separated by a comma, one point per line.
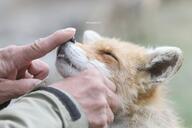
x=109, y=54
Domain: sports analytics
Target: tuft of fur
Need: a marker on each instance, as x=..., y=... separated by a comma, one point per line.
x=140, y=75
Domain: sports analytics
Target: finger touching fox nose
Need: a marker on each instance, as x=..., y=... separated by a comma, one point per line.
x=44, y=45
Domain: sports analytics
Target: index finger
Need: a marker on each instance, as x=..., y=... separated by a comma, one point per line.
x=44, y=45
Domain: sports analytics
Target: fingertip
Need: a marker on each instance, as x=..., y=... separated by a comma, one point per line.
x=110, y=115
x=63, y=35
x=45, y=70
x=113, y=101
x=39, y=69
x=70, y=30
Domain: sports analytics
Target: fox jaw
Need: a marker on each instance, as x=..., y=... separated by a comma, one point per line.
x=137, y=72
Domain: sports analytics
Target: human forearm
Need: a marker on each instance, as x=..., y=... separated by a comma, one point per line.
x=41, y=109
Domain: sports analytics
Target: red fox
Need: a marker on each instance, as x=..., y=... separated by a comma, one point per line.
x=139, y=73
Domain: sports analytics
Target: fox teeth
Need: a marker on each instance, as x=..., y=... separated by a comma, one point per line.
x=60, y=55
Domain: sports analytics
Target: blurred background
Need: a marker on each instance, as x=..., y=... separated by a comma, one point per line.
x=145, y=22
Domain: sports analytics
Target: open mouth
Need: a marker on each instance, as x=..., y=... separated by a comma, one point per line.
x=62, y=56
x=61, y=49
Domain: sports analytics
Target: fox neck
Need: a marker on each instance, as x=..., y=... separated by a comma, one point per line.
x=157, y=113
x=148, y=118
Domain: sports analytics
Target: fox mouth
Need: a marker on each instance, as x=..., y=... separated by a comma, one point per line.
x=70, y=59
x=61, y=49
x=64, y=58
x=61, y=54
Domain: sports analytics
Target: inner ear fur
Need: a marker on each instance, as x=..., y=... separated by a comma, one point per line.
x=90, y=36
x=164, y=63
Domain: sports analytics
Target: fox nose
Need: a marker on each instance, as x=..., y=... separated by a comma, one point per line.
x=60, y=50
x=72, y=40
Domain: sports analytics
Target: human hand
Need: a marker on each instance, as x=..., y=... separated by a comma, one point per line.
x=95, y=93
x=20, y=71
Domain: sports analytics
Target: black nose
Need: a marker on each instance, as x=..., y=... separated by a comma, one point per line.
x=72, y=40
x=60, y=49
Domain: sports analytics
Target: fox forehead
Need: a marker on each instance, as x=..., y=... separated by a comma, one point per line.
x=127, y=53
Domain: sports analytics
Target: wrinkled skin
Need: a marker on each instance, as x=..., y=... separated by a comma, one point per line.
x=20, y=69
x=95, y=93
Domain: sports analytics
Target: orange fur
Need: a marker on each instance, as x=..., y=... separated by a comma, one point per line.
x=138, y=73
x=127, y=62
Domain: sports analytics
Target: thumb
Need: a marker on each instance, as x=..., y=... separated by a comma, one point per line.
x=23, y=86
x=14, y=88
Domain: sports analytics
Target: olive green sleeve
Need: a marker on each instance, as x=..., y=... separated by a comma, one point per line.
x=43, y=109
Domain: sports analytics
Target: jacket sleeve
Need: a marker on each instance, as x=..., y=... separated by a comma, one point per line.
x=44, y=108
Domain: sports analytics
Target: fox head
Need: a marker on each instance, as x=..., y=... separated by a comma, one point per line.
x=137, y=72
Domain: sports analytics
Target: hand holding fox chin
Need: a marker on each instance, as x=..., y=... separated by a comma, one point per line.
x=95, y=94
x=20, y=72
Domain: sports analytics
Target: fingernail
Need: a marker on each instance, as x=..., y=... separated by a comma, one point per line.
x=70, y=29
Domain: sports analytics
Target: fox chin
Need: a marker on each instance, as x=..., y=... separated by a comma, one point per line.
x=140, y=75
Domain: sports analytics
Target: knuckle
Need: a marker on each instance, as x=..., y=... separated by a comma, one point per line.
x=8, y=52
x=36, y=45
x=98, y=88
x=102, y=103
x=101, y=122
x=101, y=88
x=99, y=104
x=110, y=118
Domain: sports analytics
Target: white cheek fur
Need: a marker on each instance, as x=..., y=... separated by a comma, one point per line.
x=78, y=58
x=65, y=69
x=100, y=66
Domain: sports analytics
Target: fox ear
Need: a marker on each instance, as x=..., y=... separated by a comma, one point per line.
x=164, y=63
x=90, y=36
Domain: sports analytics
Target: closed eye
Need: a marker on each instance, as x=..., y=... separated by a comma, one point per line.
x=110, y=55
